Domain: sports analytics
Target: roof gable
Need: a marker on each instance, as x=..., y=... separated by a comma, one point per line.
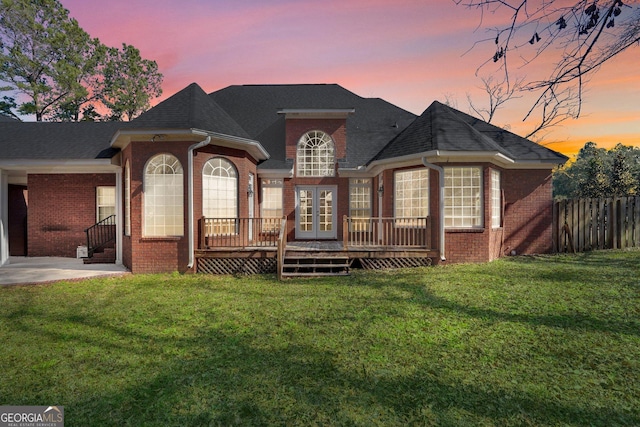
x=190, y=108
x=442, y=128
x=256, y=108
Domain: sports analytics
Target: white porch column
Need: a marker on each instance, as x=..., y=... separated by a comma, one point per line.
x=4, y=218
x=119, y=217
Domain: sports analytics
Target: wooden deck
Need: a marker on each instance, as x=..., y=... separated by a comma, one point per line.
x=239, y=252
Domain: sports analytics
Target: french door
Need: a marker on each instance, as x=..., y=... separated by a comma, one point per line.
x=316, y=212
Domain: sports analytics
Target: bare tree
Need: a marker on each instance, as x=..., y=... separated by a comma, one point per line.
x=499, y=92
x=577, y=36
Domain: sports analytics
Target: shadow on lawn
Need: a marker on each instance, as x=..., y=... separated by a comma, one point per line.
x=579, y=321
x=234, y=382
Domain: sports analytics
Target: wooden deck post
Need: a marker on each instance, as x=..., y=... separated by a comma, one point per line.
x=345, y=232
x=203, y=237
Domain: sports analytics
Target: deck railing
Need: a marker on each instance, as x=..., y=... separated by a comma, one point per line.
x=239, y=232
x=396, y=232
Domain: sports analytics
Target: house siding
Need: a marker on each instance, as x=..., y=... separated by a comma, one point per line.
x=61, y=207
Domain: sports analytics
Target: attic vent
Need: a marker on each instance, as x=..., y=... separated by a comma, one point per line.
x=395, y=125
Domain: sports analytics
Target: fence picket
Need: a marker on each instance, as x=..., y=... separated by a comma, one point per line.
x=611, y=223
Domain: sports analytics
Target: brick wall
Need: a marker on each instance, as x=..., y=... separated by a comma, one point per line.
x=61, y=207
x=143, y=254
x=295, y=129
x=528, y=212
x=527, y=220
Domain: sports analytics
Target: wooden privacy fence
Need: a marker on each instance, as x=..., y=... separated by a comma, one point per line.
x=589, y=224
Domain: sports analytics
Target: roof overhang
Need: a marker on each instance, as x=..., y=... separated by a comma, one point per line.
x=18, y=169
x=275, y=173
x=313, y=113
x=124, y=137
x=443, y=157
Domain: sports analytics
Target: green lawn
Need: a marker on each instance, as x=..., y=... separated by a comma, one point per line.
x=526, y=341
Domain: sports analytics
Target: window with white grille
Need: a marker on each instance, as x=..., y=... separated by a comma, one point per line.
x=462, y=197
x=496, y=202
x=411, y=196
x=360, y=203
x=105, y=202
x=315, y=155
x=271, y=204
x=163, y=197
x=220, y=195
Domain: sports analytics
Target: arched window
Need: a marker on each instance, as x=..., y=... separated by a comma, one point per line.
x=220, y=194
x=163, y=197
x=316, y=155
x=127, y=199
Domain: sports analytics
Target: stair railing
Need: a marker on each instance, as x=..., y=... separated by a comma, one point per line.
x=100, y=234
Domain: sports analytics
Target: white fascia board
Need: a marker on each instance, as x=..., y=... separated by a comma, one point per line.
x=251, y=146
x=316, y=113
x=441, y=157
x=275, y=173
x=60, y=165
x=122, y=138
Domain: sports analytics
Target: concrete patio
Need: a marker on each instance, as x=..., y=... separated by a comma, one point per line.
x=32, y=270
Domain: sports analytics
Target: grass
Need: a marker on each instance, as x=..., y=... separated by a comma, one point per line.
x=525, y=341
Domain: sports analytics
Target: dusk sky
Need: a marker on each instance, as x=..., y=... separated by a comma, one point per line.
x=408, y=52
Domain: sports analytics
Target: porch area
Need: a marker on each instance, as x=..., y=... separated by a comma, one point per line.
x=260, y=245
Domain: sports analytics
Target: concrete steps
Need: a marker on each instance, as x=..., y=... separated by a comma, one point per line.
x=107, y=256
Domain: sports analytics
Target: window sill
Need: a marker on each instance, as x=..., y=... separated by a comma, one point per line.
x=464, y=230
x=161, y=238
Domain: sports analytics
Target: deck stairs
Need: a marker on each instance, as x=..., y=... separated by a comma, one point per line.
x=313, y=259
x=314, y=264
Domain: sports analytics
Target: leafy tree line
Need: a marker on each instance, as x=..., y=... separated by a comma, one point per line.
x=54, y=70
x=598, y=172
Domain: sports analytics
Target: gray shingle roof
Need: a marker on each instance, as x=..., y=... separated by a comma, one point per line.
x=443, y=128
x=55, y=141
x=190, y=108
x=7, y=119
x=255, y=108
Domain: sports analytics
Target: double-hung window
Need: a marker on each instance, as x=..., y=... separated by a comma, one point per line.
x=496, y=202
x=411, y=196
x=360, y=203
x=463, y=197
x=105, y=202
x=271, y=205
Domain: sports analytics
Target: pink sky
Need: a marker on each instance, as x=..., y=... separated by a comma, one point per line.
x=408, y=52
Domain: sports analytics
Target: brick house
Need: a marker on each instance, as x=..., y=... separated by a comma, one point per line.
x=202, y=178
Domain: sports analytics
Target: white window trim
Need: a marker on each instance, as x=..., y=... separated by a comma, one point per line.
x=127, y=199
x=106, y=205
x=403, y=220
x=496, y=198
x=222, y=227
x=321, y=164
x=267, y=183
x=180, y=207
x=360, y=222
x=479, y=196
